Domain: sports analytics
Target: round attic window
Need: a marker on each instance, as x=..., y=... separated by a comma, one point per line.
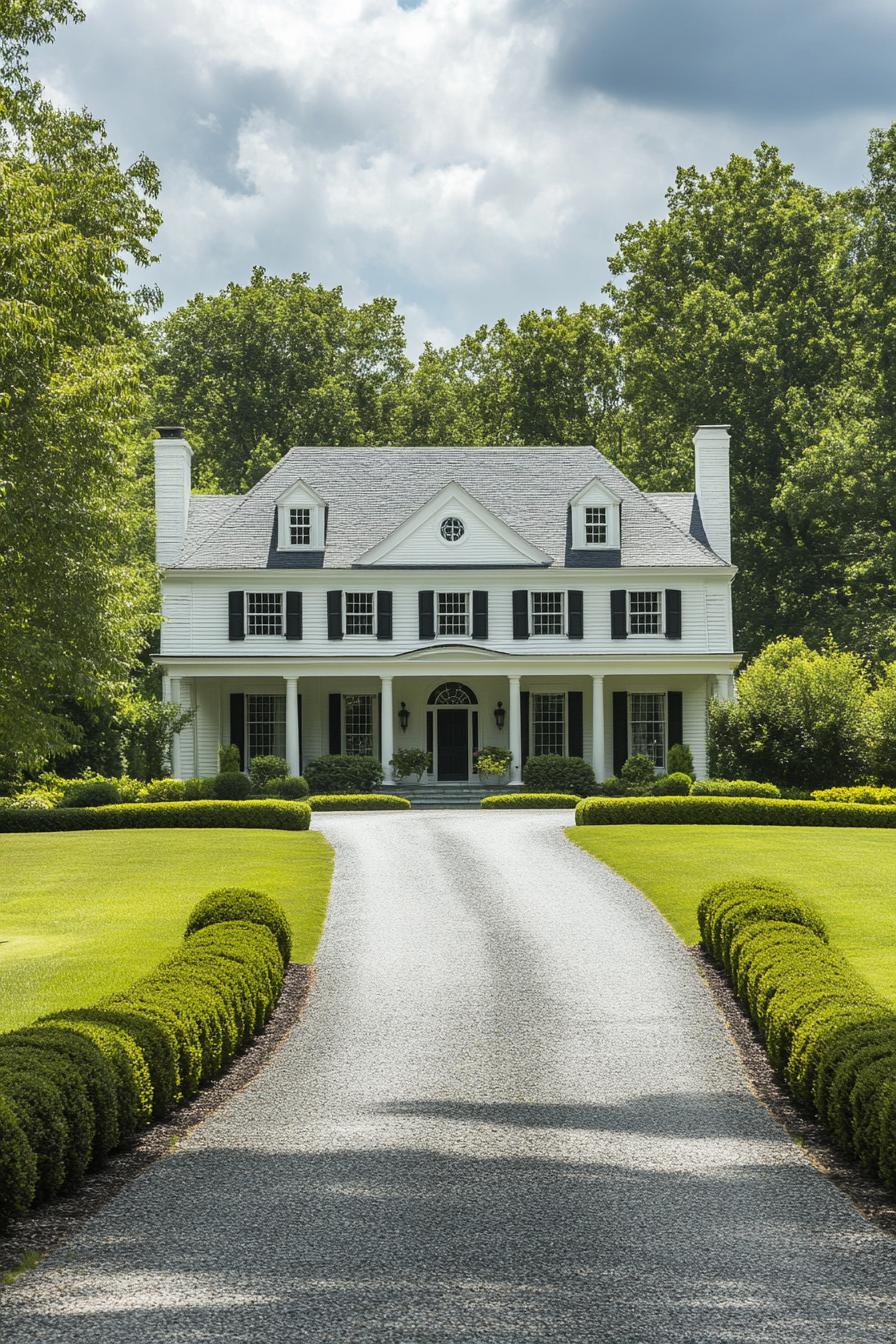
x=452, y=529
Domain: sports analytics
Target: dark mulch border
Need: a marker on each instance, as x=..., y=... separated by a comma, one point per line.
x=50, y=1225
x=871, y=1199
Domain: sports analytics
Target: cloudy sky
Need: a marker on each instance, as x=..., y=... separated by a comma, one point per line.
x=473, y=158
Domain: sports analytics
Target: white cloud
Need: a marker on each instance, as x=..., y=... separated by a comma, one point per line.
x=426, y=153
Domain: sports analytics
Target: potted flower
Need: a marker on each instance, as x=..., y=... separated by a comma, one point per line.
x=491, y=764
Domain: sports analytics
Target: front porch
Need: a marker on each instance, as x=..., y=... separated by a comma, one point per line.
x=450, y=708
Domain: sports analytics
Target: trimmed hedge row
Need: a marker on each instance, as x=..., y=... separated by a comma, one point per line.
x=518, y=800
x=832, y=1040
x=75, y=1085
x=729, y=812
x=274, y=815
x=857, y=793
x=736, y=788
x=357, y=802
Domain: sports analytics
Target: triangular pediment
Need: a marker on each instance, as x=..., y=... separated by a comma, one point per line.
x=453, y=528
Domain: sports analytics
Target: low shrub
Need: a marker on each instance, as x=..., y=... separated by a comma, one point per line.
x=289, y=786
x=229, y=759
x=163, y=791
x=832, y=1040
x=733, y=788
x=265, y=768
x=344, y=774
x=558, y=774
x=858, y=793
x=230, y=784
x=240, y=903
x=357, y=802
x=638, y=772
x=34, y=800
x=91, y=793
x=680, y=761
x=73, y=1086
x=411, y=761
x=697, y=811
x=522, y=800
x=271, y=814
x=197, y=788
x=674, y=785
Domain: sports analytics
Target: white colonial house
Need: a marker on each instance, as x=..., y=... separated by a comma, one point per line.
x=365, y=599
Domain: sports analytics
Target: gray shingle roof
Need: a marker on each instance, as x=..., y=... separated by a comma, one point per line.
x=370, y=492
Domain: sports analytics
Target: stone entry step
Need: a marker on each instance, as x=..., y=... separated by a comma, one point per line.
x=446, y=795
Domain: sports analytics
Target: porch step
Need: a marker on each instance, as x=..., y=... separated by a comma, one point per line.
x=446, y=795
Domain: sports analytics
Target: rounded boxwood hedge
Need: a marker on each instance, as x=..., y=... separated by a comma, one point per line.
x=357, y=802
x=523, y=800
x=702, y=811
x=270, y=814
x=229, y=903
x=78, y=1083
x=90, y=793
x=558, y=774
x=830, y=1037
x=734, y=788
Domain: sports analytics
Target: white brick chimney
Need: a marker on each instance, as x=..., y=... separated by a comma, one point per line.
x=711, y=482
x=173, y=456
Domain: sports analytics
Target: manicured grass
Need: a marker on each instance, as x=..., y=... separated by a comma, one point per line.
x=849, y=874
x=83, y=913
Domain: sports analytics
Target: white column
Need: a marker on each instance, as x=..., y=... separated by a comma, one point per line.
x=292, y=725
x=515, y=729
x=597, y=728
x=723, y=686
x=174, y=696
x=387, y=718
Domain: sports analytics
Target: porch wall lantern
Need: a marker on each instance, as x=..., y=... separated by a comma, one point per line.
x=500, y=713
x=404, y=715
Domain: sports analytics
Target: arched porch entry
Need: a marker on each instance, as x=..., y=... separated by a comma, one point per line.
x=452, y=731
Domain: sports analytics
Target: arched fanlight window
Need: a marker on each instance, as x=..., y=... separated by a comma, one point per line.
x=452, y=693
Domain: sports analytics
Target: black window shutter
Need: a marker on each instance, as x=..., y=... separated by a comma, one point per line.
x=620, y=730
x=475, y=718
x=236, y=625
x=673, y=613
x=524, y=727
x=520, y=613
x=426, y=610
x=675, y=717
x=618, y=614
x=384, y=615
x=238, y=725
x=335, y=724
x=379, y=728
x=480, y=615
x=293, y=615
x=574, y=734
x=575, y=618
x=334, y=614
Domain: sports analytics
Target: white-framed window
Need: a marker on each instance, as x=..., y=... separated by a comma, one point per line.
x=299, y=526
x=647, y=726
x=357, y=714
x=359, y=614
x=645, y=613
x=265, y=726
x=264, y=613
x=595, y=525
x=548, y=727
x=547, y=613
x=452, y=528
x=453, y=614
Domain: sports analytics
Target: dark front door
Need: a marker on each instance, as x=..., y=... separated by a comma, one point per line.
x=452, y=741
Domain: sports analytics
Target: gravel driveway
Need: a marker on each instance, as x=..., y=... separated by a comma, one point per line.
x=511, y=1113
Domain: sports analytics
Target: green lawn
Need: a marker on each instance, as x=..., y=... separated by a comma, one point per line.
x=84, y=913
x=849, y=874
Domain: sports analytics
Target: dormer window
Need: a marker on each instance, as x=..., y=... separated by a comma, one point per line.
x=300, y=527
x=595, y=525
x=595, y=518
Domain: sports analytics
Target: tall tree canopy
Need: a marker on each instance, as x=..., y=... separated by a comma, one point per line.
x=74, y=597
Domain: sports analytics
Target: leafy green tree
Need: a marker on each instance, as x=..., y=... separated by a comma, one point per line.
x=259, y=368
x=881, y=727
x=798, y=720
x=73, y=597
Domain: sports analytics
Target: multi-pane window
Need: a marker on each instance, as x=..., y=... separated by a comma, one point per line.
x=454, y=614
x=595, y=525
x=547, y=613
x=300, y=527
x=266, y=725
x=647, y=716
x=359, y=613
x=645, y=613
x=358, y=725
x=547, y=724
x=264, y=613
